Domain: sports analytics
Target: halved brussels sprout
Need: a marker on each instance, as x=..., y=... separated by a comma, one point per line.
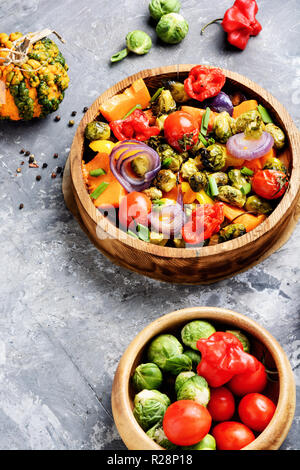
x=167, y=352
x=196, y=389
x=258, y=205
x=157, y=434
x=207, y=443
x=165, y=180
x=224, y=127
x=277, y=134
x=243, y=339
x=165, y=103
x=160, y=121
x=178, y=92
x=157, y=238
x=181, y=378
x=150, y=407
x=147, y=376
x=213, y=157
x=97, y=130
x=153, y=193
x=237, y=179
x=195, y=330
x=231, y=232
x=140, y=165
x=220, y=178
x=231, y=195
x=274, y=163
x=188, y=168
x=250, y=123
x=198, y=181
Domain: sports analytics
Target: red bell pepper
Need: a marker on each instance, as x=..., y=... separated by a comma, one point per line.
x=222, y=357
x=204, y=82
x=204, y=221
x=240, y=22
x=136, y=126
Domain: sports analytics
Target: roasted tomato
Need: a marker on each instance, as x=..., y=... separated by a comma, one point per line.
x=270, y=184
x=134, y=209
x=181, y=131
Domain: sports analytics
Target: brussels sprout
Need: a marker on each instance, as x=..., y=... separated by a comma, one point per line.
x=274, y=163
x=166, y=352
x=198, y=181
x=165, y=180
x=213, y=157
x=147, y=376
x=195, y=330
x=153, y=193
x=277, y=134
x=243, y=339
x=157, y=434
x=165, y=103
x=196, y=389
x=224, y=127
x=181, y=378
x=207, y=443
x=97, y=130
x=195, y=357
x=140, y=165
x=156, y=141
x=178, y=92
x=179, y=242
x=250, y=123
x=257, y=204
x=172, y=28
x=237, y=179
x=158, y=8
x=150, y=407
x=232, y=195
x=138, y=42
x=160, y=121
x=169, y=158
x=188, y=168
x=157, y=238
x=231, y=231
x=220, y=178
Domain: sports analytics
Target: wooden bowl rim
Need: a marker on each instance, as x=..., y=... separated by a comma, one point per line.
x=120, y=389
x=284, y=207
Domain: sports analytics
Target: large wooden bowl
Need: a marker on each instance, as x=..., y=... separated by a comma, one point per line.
x=263, y=345
x=187, y=266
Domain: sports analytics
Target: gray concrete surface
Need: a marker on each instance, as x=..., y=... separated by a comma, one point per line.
x=66, y=313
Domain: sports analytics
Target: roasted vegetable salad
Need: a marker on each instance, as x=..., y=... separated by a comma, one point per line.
x=188, y=163
x=202, y=388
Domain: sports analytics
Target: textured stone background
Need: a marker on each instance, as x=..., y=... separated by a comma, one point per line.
x=66, y=313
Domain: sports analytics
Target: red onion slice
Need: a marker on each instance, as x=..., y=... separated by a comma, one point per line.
x=241, y=147
x=120, y=166
x=167, y=220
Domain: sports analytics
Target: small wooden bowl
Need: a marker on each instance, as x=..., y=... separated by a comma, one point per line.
x=178, y=265
x=263, y=344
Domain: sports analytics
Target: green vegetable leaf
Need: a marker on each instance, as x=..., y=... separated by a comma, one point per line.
x=119, y=55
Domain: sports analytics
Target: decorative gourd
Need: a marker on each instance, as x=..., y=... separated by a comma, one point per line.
x=33, y=76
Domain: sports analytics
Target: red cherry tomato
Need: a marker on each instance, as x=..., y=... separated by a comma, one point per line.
x=181, y=130
x=221, y=404
x=134, y=208
x=231, y=435
x=186, y=422
x=241, y=384
x=270, y=184
x=256, y=411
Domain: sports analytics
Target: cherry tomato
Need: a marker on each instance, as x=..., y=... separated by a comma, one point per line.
x=231, y=435
x=270, y=184
x=256, y=411
x=221, y=404
x=181, y=131
x=249, y=382
x=134, y=208
x=186, y=422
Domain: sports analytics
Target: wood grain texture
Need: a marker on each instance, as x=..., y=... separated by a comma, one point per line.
x=263, y=342
x=187, y=266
